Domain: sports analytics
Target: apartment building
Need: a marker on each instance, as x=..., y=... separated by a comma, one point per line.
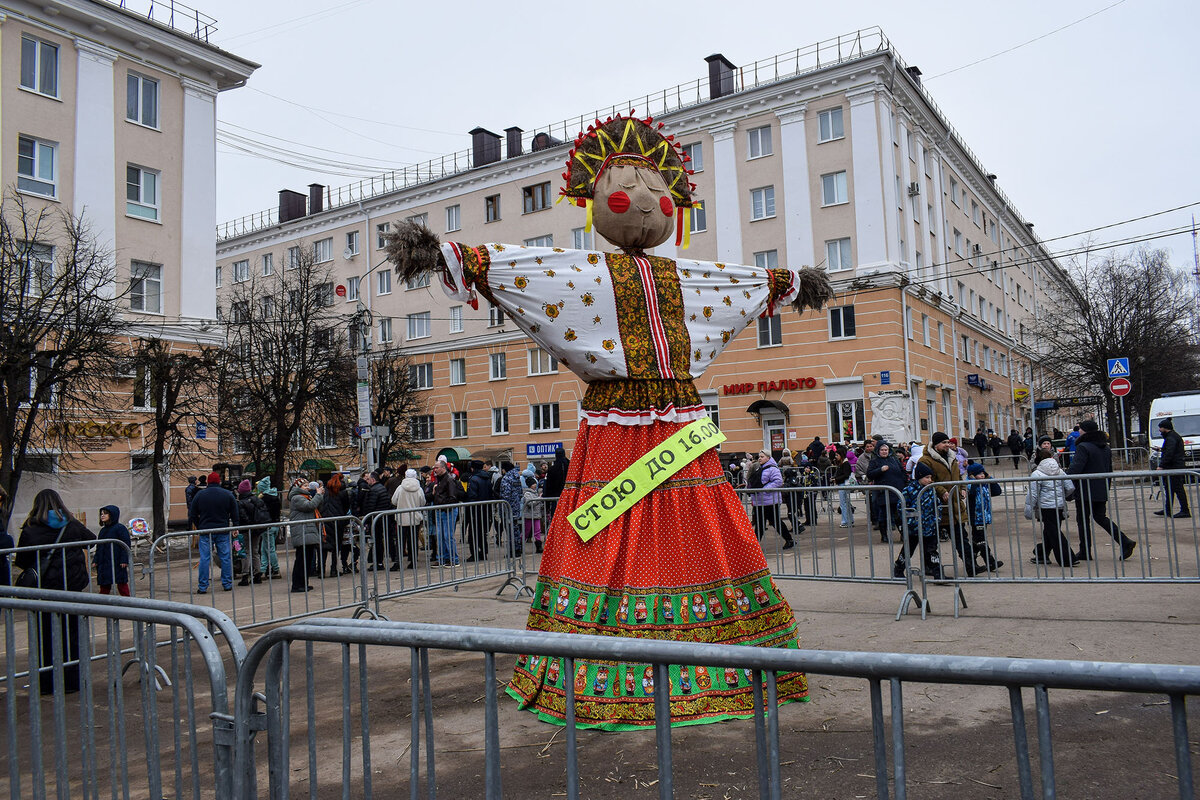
x=845, y=163
x=109, y=113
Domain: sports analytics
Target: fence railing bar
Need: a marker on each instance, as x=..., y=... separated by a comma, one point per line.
x=1021, y=742
x=1045, y=742
x=568, y=671
x=898, y=761
x=773, y=735
x=1183, y=754
x=310, y=699
x=492, y=728
x=414, y=736
x=364, y=713
x=662, y=729
x=427, y=700
x=347, y=756
x=760, y=736
x=879, y=739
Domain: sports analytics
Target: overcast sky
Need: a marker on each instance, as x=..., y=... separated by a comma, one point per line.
x=1089, y=121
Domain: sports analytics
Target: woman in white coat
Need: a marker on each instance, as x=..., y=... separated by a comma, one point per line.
x=1047, y=498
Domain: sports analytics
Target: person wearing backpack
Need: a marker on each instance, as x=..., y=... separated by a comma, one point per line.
x=252, y=511
x=766, y=476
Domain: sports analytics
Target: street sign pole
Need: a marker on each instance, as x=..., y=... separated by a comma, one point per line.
x=1124, y=437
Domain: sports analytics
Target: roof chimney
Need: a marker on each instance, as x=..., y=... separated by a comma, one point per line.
x=514, y=141
x=316, y=198
x=914, y=73
x=543, y=141
x=291, y=205
x=485, y=147
x=720, y=76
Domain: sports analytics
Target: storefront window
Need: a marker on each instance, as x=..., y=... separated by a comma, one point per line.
x=847, y=421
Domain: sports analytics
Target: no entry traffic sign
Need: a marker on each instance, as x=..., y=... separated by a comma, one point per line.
x=1120, y=387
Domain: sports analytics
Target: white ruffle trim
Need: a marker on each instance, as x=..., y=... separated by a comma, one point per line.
x=616, y=416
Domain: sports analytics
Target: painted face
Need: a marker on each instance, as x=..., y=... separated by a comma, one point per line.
x=633, y=207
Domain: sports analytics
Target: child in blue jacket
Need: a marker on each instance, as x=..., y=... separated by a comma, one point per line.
x=979, y=503
x=922, y=508
x=112, y=562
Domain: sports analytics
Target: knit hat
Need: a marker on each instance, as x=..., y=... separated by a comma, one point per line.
x=938, y=438
x=410, y=473
x=975, y=469
x=313, y=486
x=214, y=478
x=1044, y=438
x=922, y=470
x=244, y=486
x=953, y=441
x=1166, y=424
x=1089, y=426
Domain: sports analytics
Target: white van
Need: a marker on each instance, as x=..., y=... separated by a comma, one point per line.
x=1183, y=409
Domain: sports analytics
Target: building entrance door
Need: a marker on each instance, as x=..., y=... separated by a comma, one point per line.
x=774, y=433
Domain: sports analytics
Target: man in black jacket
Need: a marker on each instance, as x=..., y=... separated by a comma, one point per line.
x=1172, y=457
x=477, y=519
x=214, y=507
x=375, y=498
x=1093, y=457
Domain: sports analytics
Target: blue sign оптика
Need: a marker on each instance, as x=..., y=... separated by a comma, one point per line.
x=533, y=450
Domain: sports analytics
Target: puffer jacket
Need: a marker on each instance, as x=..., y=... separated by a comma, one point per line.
x=1092, y=456
x=409, y=495
x=1047, y=494
x=771, y=478
x=303, y=508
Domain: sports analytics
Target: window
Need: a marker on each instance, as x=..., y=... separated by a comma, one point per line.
x=841, y=322
x=829, y=122
x=324, y=295
x=458, y=371
x=760, y=141
x=941, y=337
x=543, y=417
x=453, y=218
x=456, y=319
x=385, y=330
x=541, y=241
x=39, y=66
x=326, y=436
x=419, y=282
x=837, y=255
x=497, y=367
x=535, y=198
x=495, y=315
x=458, y=424
x=218, y=281
x=954, y=191
x=381, y=232
x=833, y=188
x=966, y=349
x=384, y=281
x=927, y=157
x=491, y=208
x=268, y=264
x=418, y=219
x=323, y=250
x=39, y=267
x=499, y=421
x=912, y=146
x=293, y=257
x=36, y=167
x=762, y=202
x=920, y=262
x=768, y=259
x=418, y=325
x=420, y=428
x=141, y=100
x=695, y=156
x=699, y=218
x=420, y=376
x=975, y=212
x=583, y=240
x=925, y=334
x=239, y=312
x=351, y=243
x=908, y=323
x=141, y=192
x=267, y=306
x=770, y=333
x=958, y=242
x=541, y=362
x=144, y=396
x=352, y=288
x=145, y=286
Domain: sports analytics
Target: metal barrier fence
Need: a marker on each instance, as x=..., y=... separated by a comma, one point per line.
x=79, y=663
x=358, y=773
x=460, y=543
x=278, y=592
x=1088, y=541
x=11, y=553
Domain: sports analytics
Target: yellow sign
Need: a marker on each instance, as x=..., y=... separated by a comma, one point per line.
x=641, y=477
x=1020, y=395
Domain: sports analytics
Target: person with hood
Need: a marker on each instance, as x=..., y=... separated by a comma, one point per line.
x=337, y=534
x=49, y=522
x=213, y=508
x=1093, y=457
x=476, y=518
x=269, y=559
x=512, y=492
x=765, y=503
x=981, y=443
x=556, y=480
x=1046, y=499
x=532, y=502
x=940, y=458
x=304, y=508
x=815, y=448
x=409, y=497
x=922, y=507
x=112, y=563
x=252, y=515
x=979, y=505
x=886, y=470
x=1172, y=457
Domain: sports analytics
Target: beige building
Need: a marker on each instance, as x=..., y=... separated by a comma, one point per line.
x=110, y=114
x=845, y=163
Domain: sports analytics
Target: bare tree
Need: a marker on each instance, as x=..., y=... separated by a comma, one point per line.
x=1132, y=304
x=394, y=402
x=176, y=381
x=59, y=326
x=287, y=362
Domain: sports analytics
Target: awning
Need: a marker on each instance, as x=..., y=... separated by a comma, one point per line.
x=493, y=454
x=455, y=454
x=317, y=464
x=759, y=406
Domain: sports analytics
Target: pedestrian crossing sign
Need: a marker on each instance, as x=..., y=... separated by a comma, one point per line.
x=1118, y=367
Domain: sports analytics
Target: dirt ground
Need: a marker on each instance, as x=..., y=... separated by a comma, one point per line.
x=959, y=740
